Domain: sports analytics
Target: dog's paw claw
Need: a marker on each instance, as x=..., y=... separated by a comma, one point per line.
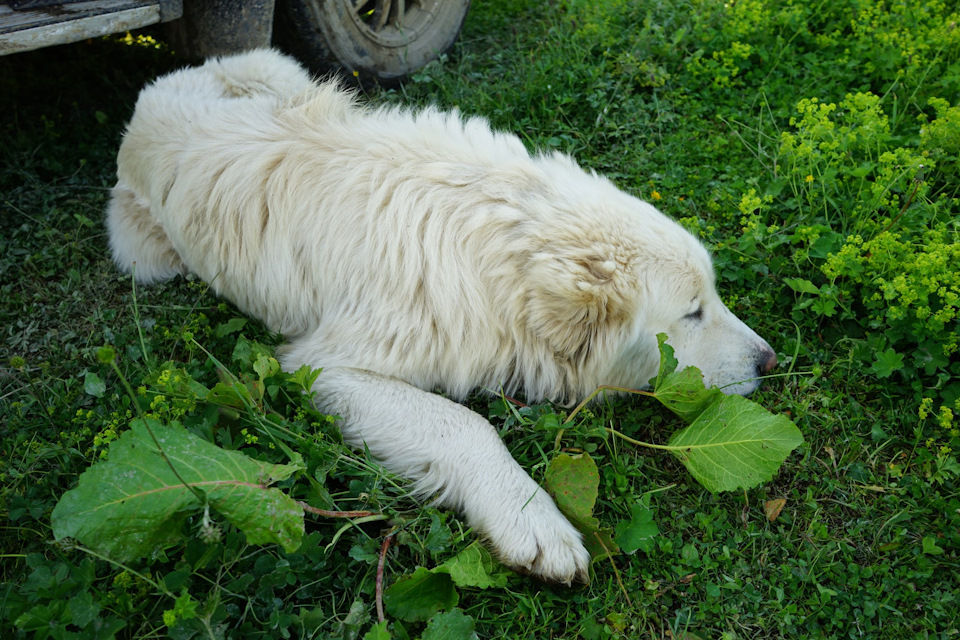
x=537, y=540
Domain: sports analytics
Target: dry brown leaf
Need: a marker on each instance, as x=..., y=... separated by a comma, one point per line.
x=773, y=508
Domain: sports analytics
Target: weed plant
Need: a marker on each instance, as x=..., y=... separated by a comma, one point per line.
x=814, y=147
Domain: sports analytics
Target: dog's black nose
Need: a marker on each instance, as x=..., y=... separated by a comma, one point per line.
x=766, y=360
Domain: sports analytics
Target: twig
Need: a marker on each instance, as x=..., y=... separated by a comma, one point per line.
x=916, y=185
x=383, y=557
x=616, y=571
x=336, y=514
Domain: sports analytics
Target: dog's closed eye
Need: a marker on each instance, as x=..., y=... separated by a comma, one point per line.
x=695, y=316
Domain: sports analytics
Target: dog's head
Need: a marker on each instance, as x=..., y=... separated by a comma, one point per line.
x=679, y=298
x=603, y=293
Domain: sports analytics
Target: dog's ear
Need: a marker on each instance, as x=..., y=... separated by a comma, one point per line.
x=578, y=295
x=324, y=103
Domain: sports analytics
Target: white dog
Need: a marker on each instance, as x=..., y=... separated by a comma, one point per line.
x=407, y=252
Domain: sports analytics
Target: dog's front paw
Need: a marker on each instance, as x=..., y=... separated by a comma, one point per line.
x=534, y=537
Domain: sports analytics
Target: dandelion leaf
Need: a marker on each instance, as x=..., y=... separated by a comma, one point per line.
x=133, y=504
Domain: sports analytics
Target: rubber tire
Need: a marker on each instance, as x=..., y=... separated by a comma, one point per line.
x=326, y=34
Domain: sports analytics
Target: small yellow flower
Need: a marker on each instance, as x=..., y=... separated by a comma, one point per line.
x=809, y=178
x=655, y=195
x=356, y=74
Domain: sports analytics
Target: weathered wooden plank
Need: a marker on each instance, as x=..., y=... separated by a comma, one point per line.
x=41, y=27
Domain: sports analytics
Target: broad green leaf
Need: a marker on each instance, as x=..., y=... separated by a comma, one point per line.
x=886, y=363
x=132, y=504
x=184, y=608
x=83, y=609
x=639, y=531
x=236, y=394
x=682, y=392
x=801, y=285
x=668, y=363
x=735, y=443
x=452, y=625
x=305, y=377
x=573, y=482
x=231, y=326
x=93, y=385
x=419, y=596
x=247, y=351
x=266, y=366
x=862, y=171
x=930, y=546
x=356, y=617
x=440, y=536
x=828, y=242
x=312, y=620
x=474, y=567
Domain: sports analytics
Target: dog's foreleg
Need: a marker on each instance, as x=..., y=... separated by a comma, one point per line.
x=455, y=455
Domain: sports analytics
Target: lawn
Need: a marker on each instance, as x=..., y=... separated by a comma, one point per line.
x=813, y=147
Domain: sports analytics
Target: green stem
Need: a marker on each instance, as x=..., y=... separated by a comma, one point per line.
x=136, y=314
x=133, y=398
x=616, y=433
x=352, y=523
x=597, y=392
x=156, y=585
x=40, y=403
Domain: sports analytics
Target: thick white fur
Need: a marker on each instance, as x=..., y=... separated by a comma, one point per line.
x=409, y=251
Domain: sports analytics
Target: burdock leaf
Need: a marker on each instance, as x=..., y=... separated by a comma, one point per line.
x=735, y=443
x=573, y=481
x=132, y=504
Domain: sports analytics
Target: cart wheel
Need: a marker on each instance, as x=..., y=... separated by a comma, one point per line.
x=381, y=40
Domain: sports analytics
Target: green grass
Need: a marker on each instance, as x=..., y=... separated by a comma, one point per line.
x=829, y=237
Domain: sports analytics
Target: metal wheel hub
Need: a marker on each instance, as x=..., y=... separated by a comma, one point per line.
x=391, y=23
